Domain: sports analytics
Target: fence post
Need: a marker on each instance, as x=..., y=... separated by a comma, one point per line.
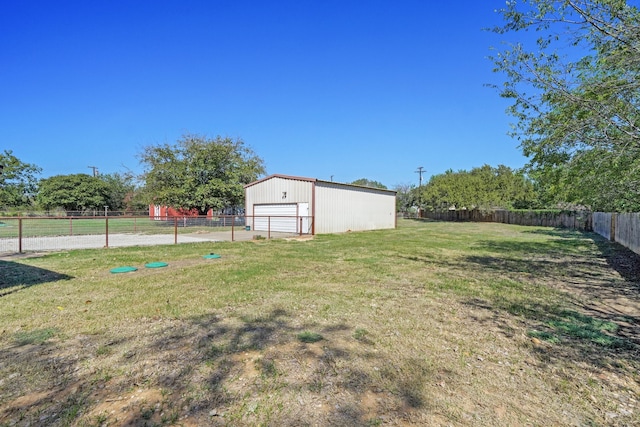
x=612, y=236
x=20, y=235
x=233, y=221
x=268, y=227
x=300, y=226
x=175, y=230
x=106, y=231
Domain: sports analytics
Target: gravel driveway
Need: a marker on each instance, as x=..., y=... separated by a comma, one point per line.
x=55, y=243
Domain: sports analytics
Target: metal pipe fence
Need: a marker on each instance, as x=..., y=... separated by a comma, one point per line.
x=29, y=234
x=62, y=214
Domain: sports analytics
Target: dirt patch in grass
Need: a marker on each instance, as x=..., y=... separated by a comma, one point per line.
x=430, y=324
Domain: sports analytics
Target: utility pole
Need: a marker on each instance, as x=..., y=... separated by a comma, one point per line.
x=420, y=171
x=95, y=170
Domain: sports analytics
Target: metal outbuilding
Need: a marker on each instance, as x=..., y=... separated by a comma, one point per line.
x=311, y=206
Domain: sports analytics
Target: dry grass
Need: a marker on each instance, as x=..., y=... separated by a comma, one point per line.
x=429, y=324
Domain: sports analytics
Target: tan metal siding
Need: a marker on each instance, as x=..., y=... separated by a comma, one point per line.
x=271, y=191
x=340, y=208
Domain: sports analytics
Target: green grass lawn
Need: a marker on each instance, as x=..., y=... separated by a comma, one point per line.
x=429, y=324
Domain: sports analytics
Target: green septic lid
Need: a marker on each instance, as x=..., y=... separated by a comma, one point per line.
x=156, y=264
x=211, y=256
x=123, y=269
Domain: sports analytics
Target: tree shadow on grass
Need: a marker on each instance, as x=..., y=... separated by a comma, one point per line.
x=576, y=295
x=577, y=292
x=15, y=276
x=560, y=338
x=621, y=259
x=207, y=370
x=607, y=275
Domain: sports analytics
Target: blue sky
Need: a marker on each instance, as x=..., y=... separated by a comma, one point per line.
x=322, y=88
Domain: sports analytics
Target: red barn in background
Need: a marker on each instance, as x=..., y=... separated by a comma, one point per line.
x=161, y=213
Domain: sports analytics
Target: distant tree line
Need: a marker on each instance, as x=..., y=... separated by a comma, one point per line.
x=21, y=190
x=210, y=173
x=195, y=172
x=364, y=182
x=483, y=187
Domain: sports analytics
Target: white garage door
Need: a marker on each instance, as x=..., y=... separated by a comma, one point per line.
x=277, y=217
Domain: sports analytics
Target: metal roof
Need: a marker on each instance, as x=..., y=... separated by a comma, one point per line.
x=301, y=178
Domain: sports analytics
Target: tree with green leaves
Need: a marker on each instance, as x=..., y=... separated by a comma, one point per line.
x=576, y=97
x=364, y=182
x=406, y=197
x=123, y=192
x=18, y=181
x=199, y=172
x=485, y=187
x=77, y=192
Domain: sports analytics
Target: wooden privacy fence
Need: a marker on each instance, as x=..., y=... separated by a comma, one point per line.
x=573, y=220
x=623, y=228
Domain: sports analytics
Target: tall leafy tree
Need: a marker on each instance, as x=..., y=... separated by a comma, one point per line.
x=405, y=197
x=199, y=172
x=485, y=187
x=123, y=191
x=364, y=182
x=78, y=192
x=576, y=97
x=18, y=181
